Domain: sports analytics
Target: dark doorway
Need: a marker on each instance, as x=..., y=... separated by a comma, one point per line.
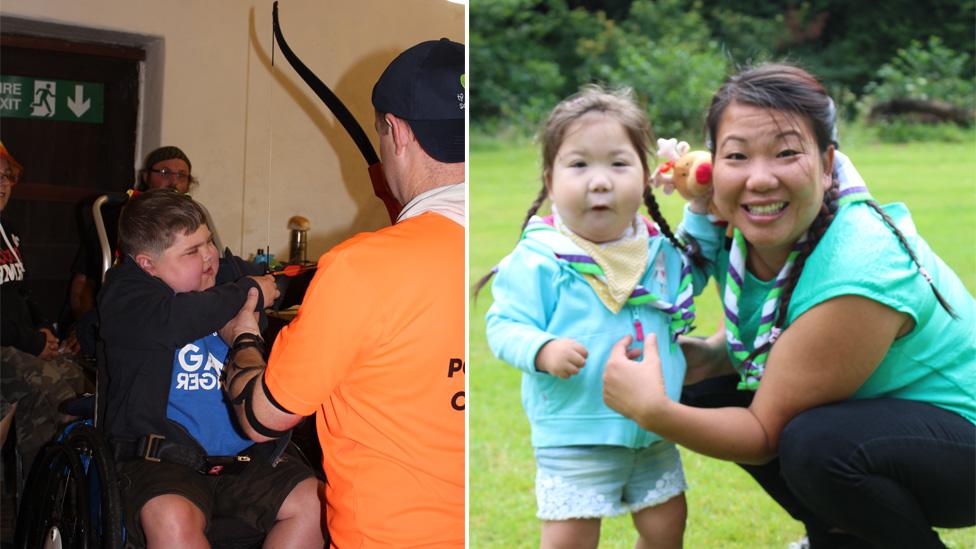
x=84, y=149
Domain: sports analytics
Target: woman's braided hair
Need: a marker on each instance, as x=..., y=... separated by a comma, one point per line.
x=794, y=91
x=621, y=105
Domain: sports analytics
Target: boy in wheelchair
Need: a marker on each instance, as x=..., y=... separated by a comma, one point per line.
x=182, y=457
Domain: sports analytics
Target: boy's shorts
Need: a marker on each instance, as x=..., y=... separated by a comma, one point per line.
x=253, y=496
x=576, y=482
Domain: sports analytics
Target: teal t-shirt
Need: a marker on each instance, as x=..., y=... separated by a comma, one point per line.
x=859, y=255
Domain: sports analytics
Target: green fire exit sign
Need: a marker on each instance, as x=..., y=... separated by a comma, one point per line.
x=51, y=99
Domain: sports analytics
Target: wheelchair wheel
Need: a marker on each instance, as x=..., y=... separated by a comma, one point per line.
x=103, y=484
x=56, y=510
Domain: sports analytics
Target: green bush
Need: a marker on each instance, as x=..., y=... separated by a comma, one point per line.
x=515, y=77
x=930, y=71
x=529, y=54
x=925, y=72
x=845, y=42
x=664, y=52
x=746, y=39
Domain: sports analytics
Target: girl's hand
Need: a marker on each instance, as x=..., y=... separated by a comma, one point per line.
x=562, y=358
x=635, y=389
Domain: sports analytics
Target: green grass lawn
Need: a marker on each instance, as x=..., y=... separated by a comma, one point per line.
x=726, y=508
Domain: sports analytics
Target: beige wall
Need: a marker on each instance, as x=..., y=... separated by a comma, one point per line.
x=262, y=145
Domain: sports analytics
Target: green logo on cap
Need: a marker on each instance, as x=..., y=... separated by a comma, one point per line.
x=462, y=80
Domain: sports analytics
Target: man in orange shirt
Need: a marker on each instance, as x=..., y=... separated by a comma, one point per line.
x=377, y=348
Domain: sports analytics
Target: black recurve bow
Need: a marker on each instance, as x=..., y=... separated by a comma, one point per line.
x=380, y=186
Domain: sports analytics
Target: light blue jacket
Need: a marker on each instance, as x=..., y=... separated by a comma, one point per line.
x=538, y=298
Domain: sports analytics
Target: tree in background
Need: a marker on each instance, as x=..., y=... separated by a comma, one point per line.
x=528, y=54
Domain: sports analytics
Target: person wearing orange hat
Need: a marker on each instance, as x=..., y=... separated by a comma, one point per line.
x=24, y=327
x=9, y=176
x=37, y=375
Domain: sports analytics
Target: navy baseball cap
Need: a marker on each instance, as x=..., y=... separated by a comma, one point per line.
x=424, y=85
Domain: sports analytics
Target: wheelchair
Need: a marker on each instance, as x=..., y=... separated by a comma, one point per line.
x=72, y=500
x=71, y=497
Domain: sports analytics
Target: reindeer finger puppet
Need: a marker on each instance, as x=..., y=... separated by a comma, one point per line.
x=687, y=171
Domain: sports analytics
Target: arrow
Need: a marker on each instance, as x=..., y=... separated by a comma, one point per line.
x=294, y=270
x=77, y=105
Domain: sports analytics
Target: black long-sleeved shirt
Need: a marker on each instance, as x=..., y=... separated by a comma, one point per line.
x=20, y=316
x=143, y=323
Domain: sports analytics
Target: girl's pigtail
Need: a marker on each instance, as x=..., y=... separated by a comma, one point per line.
x=689, y=248
x=533, y=209
x=651, y=203
x=481, y=283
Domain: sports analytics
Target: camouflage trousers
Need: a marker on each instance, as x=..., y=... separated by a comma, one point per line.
x=38, y=387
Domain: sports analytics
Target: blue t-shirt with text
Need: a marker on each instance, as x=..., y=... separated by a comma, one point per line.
x=196, y=400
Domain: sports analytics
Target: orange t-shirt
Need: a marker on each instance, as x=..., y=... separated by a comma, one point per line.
x=377, y=352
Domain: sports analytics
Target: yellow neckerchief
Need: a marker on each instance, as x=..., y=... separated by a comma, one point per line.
x=623, y=261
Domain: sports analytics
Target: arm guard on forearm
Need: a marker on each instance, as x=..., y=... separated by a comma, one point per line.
x=245, y=396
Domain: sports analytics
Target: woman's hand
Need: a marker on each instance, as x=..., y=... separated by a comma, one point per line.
x=635, y=389
x=246, y=320
x=706, y=357
x=70, y=344
x=50, y=350
x=700, y=204
x=562, y=358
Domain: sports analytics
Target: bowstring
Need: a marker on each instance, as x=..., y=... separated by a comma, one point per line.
x=267, y=250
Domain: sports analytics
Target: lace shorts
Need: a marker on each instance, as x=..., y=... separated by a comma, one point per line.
x=603, y=481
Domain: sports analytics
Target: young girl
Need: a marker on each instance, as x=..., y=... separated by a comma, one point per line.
x=577, y=282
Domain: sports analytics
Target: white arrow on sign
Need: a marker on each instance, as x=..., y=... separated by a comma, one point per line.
x=77, y=104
